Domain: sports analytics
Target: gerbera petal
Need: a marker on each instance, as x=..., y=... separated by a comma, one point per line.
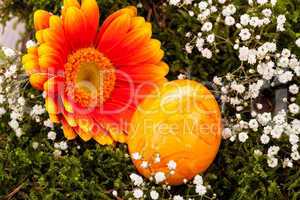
x=138, y=22
x=46, y=49
x=85, y=123
x=39, y=36
x=37, y=80
x=30, y=63
x=135, y=38
x=71, y=3
x=52, y=105
x=131, y=11
x=83, y=135
x=115, y=32
x=146, y=72
x=117, y=134
x=70, y=118
x=91, y=11
x=56, y=40
x=54, y=118
x=50, y=64
x=150, y=53
x=55, y=23
x=29, y=57
x=54, y=86
x=69, y=132
x=75, y=28
x=41, y=19
x=67, y=104
x=103, y=139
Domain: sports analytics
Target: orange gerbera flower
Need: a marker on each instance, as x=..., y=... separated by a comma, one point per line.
x=94, y=78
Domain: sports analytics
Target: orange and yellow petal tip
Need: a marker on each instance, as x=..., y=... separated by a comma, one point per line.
x=37, y=80
x=41, y=19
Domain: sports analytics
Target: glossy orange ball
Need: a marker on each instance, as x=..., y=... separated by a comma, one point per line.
x=176, y=132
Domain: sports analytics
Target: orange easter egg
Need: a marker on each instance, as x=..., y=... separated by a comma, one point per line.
x=176, y=132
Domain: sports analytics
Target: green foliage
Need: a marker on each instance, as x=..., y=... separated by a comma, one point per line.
x=93, y=171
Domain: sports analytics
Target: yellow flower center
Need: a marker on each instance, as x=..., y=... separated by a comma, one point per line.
x=90, y=77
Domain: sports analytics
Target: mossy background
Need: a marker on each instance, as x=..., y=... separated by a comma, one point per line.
x=93, y=171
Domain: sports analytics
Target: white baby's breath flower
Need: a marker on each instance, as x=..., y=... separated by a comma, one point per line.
x=281, y=19
x=114, y=193
x=272, y=162
x=136, y=179
x=206, y=27
x=159, y=177
x=30, y=44
x=63, y=145
x=57, y=153
x=244, y=19
x=229, y=21
x=210, y=38
x=243, y=53
x=226, y=133
x=243, y=136
x=258, y=152
x=138, y=193
x=201, y=190
x=199, y=43
x=285, y=77
x=52, y=135
x=294, y=108
x=206, y=53
x=294, y=89
x=35, y=145
x=229, y=10
x=198, y=180
x=157, y=158
x=188, y=48
x=264, y=118
x=171, y=165
x=264, y=139
x=144, y=164
x=277, y=131
x=297, y=42
x=8, y=52
x=295, y=155
x=48, y=123
x=262, y=2
x=253, y=124
x=2, y=111
x=154, y=195
x=267, y=12
x=245, y=34
x=136, y=156
x=286, y=53
x=254, y=21
x=181, y=76
x=273, y=150
x=19, y=132
x=37, y=110
x=191, y=13
x=294, y=147
x=174, y=2
x=252, y=56
x=294, y=139
x=178, y=197
x=273, y=2
x=202, y=5
x=287, y=163
x=14, y=124
x=21, y=101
